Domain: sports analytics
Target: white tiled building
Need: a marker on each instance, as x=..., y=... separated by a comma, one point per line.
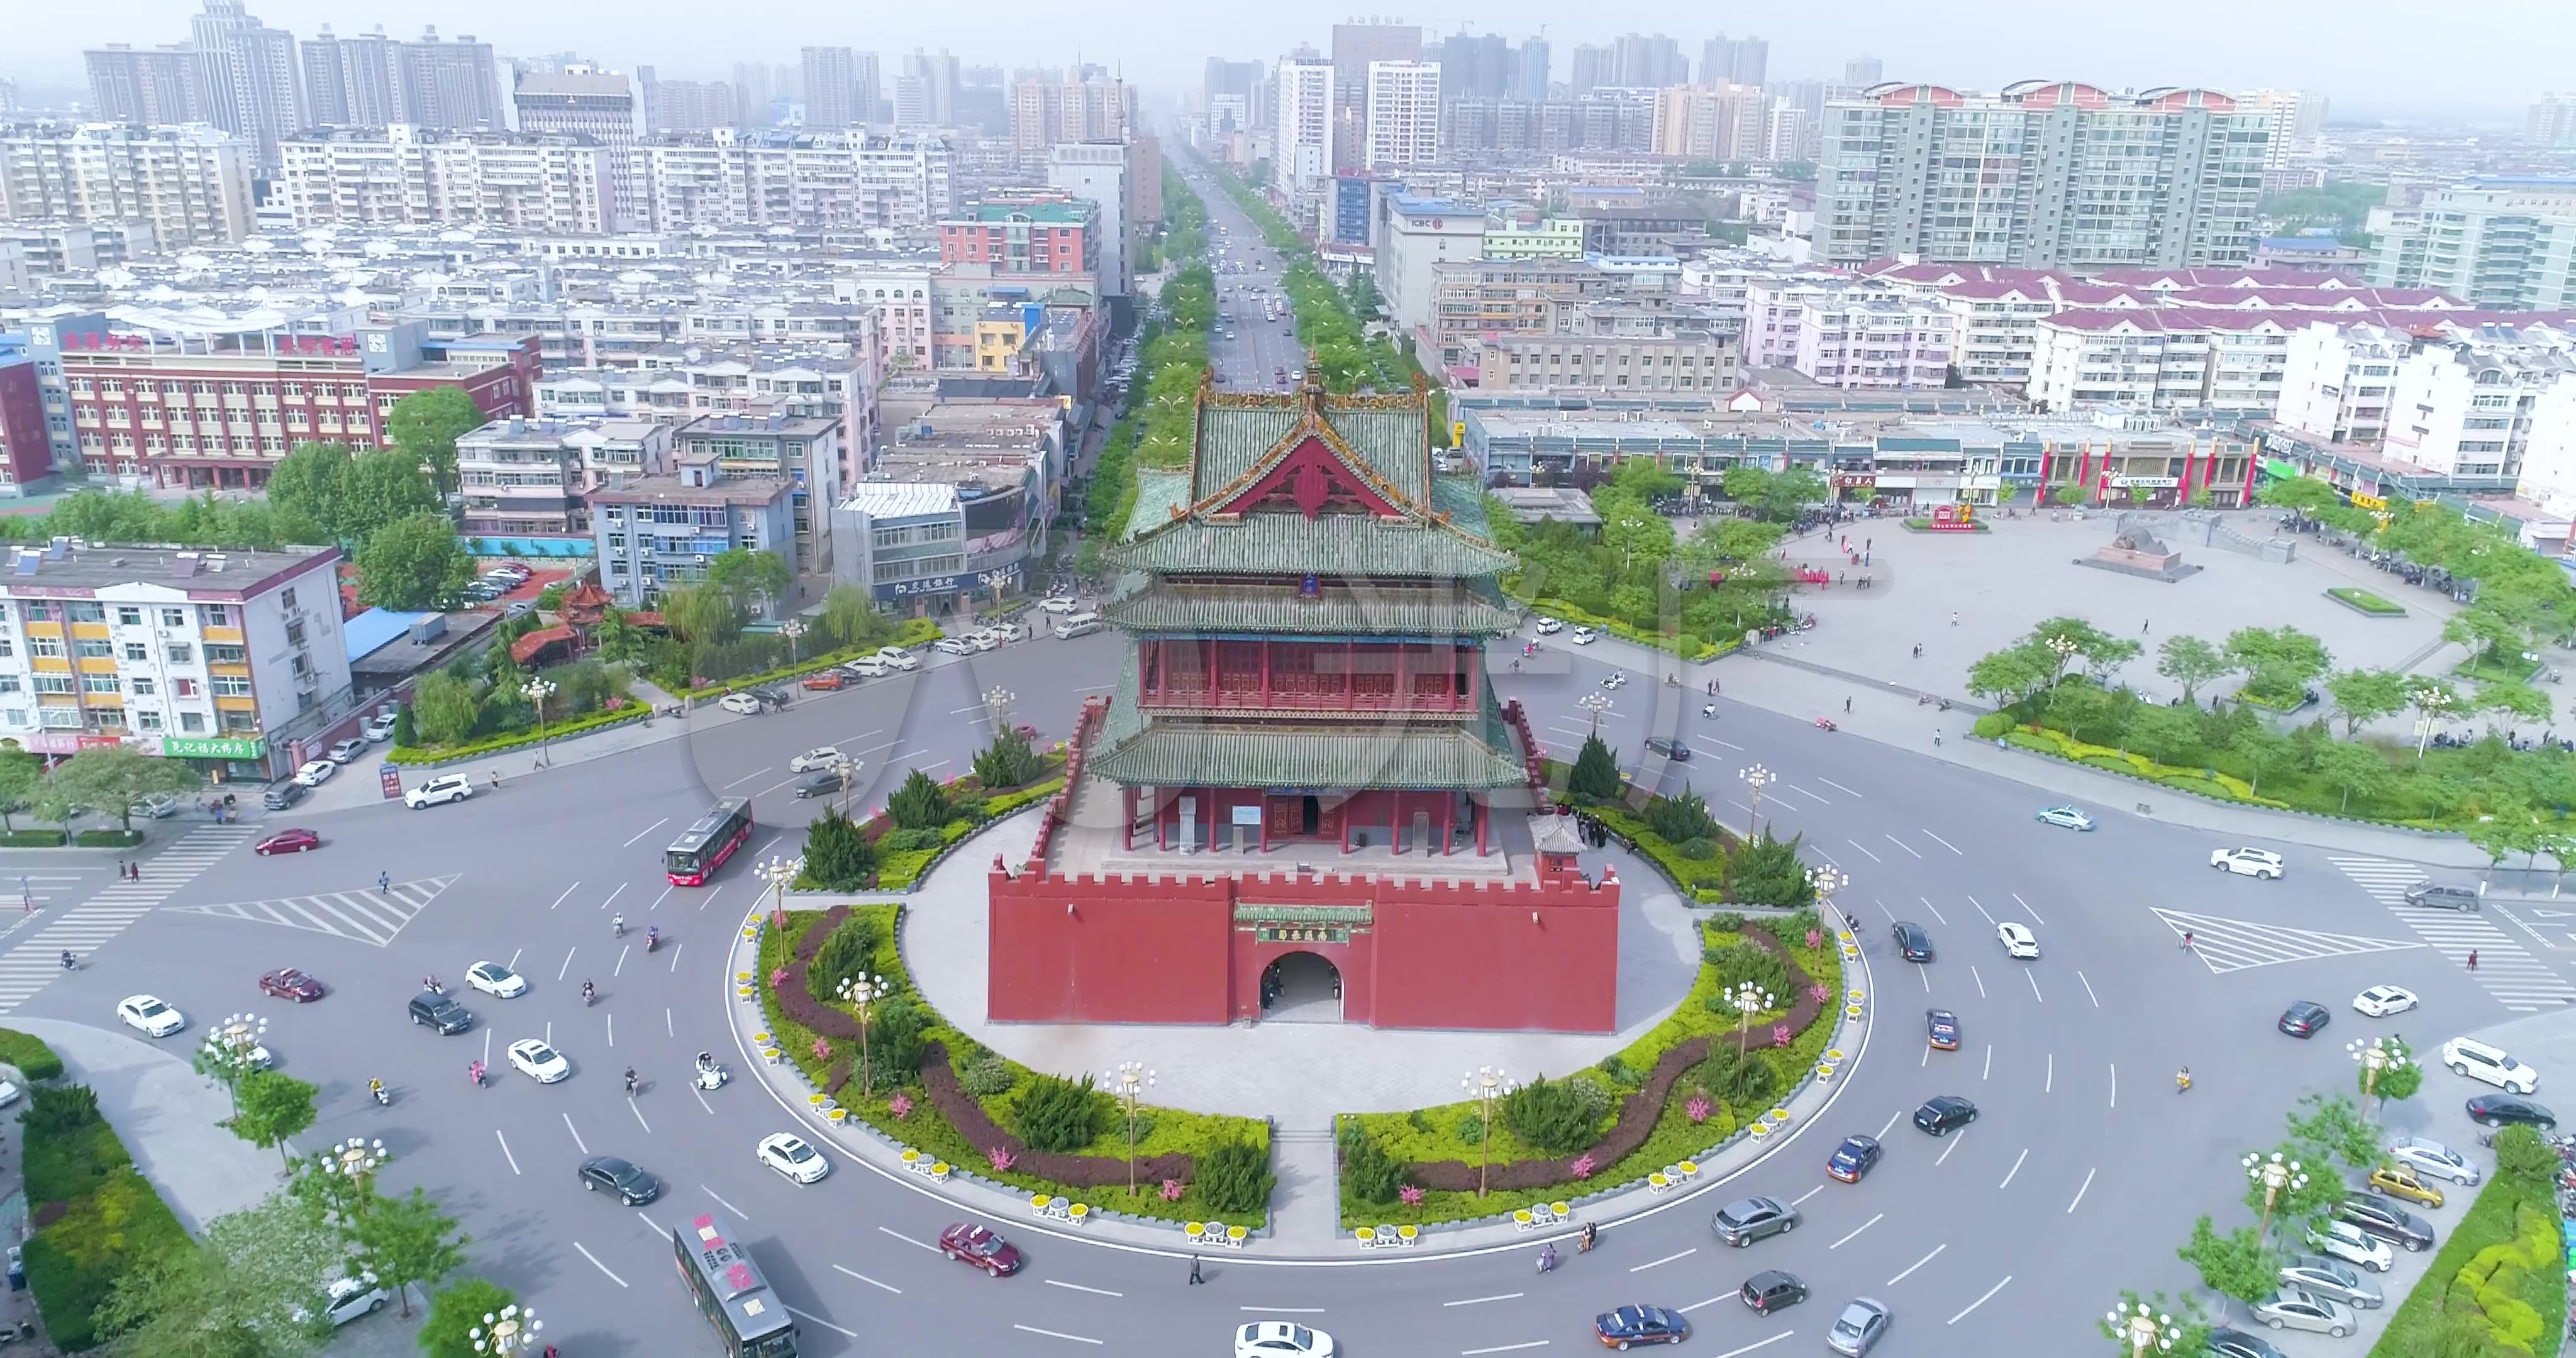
x=2468, y=408
x=1852, y=342
x=1403, y=113
x=530, y=476
x=1302, y=131
x=2339, y=378
x=192, y=183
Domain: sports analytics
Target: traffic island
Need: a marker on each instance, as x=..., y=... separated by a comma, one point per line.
x=2365, y=603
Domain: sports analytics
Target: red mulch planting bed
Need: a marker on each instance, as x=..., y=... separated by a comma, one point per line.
x=1638, y=1113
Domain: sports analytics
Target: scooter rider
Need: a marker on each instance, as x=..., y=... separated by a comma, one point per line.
x=617, y=926
x=1546, y=1258
x=588, y=993
x=2182, y=1079
x=1591, y=1236
x=652, y=938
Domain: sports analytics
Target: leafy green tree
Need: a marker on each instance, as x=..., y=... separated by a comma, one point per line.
x=236, y=1293
x=456, y=1312
x=2309, y=1194
x=1596, y=771
x=2523, y=1157
x=837, y=856
x=2239, y=1265
x=2485, y=630
x=2364, y=696
x=383, y=487
x=2354, y=767
x=2520, y=701
x=2277, y=661
x=2402, y=1080
x=1767, y=871
x=313, y=481
x=849, y=616
x=405, y=734
x=407, y=1241
x=2262, y=750
x=701, y=615
x=2333, y=1126
x=414, y=562
x=2506, y=831
x=426, y=425
x=617, y=640
x=270, y=1106
x=2168, y=735
x=755, y=581
x=919, y=804
x=2013, y=673
x=2190, y=662
x=444, y=709
x=111, y=778
x=19, y=774
x=1007, y=763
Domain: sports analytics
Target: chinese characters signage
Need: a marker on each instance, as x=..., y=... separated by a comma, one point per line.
x=1301, y=933
x=213, y=747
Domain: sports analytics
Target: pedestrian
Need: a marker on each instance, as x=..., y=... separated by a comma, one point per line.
x=1864, y=544
x=1846, y=706
x=1954, y=618
x=1842, y=577
x=120, y=869
x=138, y=870
x=2473, y=959
x=2142, y=627
x=384, y=884
x=1195, y=1277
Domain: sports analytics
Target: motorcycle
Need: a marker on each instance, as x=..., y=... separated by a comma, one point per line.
x=652, y=939
x=384, y=1097
x=1547, y=1259
x=474, y=1072
x=711, y=1073
x=1709, y=711
x=1825, y=724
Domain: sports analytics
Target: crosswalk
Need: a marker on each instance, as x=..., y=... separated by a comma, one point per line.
x=2225, y=945
x=33, y=963
x=2511, y=974
x=366, y=915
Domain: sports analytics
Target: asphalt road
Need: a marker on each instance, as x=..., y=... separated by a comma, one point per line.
x=1249, y=353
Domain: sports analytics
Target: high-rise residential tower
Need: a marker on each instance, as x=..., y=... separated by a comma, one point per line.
x=249, y=75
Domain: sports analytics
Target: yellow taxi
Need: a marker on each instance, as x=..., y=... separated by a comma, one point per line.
x=2397, y=1181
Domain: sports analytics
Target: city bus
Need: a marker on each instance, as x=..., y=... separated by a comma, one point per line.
x=731, y=1294
x=708, y=842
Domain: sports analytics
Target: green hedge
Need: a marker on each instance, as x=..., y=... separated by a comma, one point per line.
x=899, y=871
x=1687, y=646
x=914, y=632
x=2366, y=602
x=32, y=839
x=108, y=839
x=30, y=1055
x=2482, y=1271
x=518, y=740
x=97, y=1216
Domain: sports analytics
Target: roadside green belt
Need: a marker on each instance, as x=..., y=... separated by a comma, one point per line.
x=95, y=1216
x=2501, y=1275
x=626, y=711
x=1685, y=645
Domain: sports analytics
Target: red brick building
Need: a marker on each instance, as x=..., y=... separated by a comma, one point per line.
x=26, y=456
x=1304, y=779
x=218, y=410
x=1028, y=233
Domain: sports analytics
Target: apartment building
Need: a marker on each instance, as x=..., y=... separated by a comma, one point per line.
x=1471, y=301
x=1888, y=343
x=1023, y=236
x=2160, y=360
x=1403, y=114
x=2042, y=174
x=656, y=532
x=146, y=87
x=523, y=477
x=191, y=184
x=176, y=408
x=228, y=660
x=2507, y=243
x=2339, y=379
x=1048, y=113
x=1529, y=236
x=804, y=455
x=1710, y=122
x=554, y=185
x=1685, y=364
x=2467, y=408
x=1302, y=155
x=1421, y=235
x=1098, y=173
x=26, y=449
x=962, y=496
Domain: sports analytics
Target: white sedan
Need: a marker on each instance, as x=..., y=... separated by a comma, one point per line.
x=2017, y=939
x=787, y=1153
x=1585, y=636
x=899, y=658
x=316, y=772
x=1281, y=1339
x=494, y=979
x=820, y=757
x=538, y=1061
x=2380, y=1001
x=953, y=646
x=1058, y=604
x=741, y=703
x=149, y=1016
x=2247, y=862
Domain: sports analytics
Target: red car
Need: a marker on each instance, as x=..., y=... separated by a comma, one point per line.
x=287, y=983
x=287, y=841
x=827, y=680
x=981, y=1246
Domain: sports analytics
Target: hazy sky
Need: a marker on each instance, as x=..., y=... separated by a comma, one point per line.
x=2368, y=55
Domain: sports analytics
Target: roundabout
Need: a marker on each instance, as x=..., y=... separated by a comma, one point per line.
x=2082, y=1170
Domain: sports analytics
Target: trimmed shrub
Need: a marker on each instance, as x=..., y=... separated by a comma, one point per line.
x=1596, y=771
x=1699, y=850
x=1682, y=819
x=837, y=858
x=30, y=1055
x=987, y=1076
x=847, y=951
x=920, y=804
x=1059, y=1115
x=1372, y=1175
x=1767, y=872
x=1555, y=1117
x=910, y=841
x=1236, y=1178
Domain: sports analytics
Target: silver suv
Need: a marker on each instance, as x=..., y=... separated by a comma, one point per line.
x=2435, y=896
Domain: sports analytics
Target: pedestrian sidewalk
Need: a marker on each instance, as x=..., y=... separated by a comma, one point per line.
x=167, y=1115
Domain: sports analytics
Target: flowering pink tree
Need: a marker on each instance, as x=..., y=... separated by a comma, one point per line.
x=778, y=978
x=1820, y=992
x=1582, y=1167
x=1002, y=1158
x=1815, y=938
x=1699, y=1108
x=822, y=1049
x=1410, y=1195
x=1172, y=1190
x=1779, y=1035
x=900, y=1105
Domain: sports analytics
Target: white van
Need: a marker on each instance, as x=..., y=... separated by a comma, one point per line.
x=1078, y=625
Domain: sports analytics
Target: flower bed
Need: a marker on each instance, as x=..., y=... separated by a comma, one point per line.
x=1662, y=1116
x=2364, y=602
x=941, y=1118
x=903, y=869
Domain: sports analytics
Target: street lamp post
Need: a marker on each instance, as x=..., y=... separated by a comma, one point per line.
x=2378, y=1056
x=539, y=689
x=1825, y=881
x=793, y=629
x=1629, y=551
x=997, y=701
x=2429, y=703
x=779, y=871
x=2277, y=1175
x=2064, y=648
x=1485, y=1084
x=1756, y=778
x=2143, y=1330
x=1128, y=1082
x=513, y=1331
x=848, y=768
x=1593, y=705
x=231, y=1051
x=861, y=993
x=1748, y=1000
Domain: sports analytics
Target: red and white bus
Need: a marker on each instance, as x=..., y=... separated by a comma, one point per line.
x=708, y=842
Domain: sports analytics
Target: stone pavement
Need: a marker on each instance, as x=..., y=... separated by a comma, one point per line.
x=167, y=1116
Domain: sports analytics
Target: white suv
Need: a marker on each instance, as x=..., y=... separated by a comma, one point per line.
x=447, y=787
x=2479, y=1061
x=899, y=658
x=2247, y=862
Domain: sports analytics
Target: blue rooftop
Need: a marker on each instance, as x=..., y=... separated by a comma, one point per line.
x=375, y=629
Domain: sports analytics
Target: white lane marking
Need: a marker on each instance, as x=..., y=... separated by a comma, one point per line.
x=1758, y=1344
x=1801, y=1199
x=675, y=965
x=1936, y=911
x=1926, y=1062
x=1715, y=741
x=740, y=781
x=2079, y=1193
x=639, y=1115
x=2016, y=1169
x=1504, y=1348
x=1479, y=1301
x=1980, y=979
x=667, y=889
x=702, y=1100
x=1989, y=1072
x=1945, y=843
x=594, y=1263
x=1883, y=1131
x=722, y=1203
x=2088, y=989
x=566, y=968
x=1057, y=1333
x=1903, y=845
x=1835, y=786
x=1909, y=1268
x=2033, y=978
x=710, y=897
x=505, y=1150
x=2051, y=1086
x=1820, y=800
x=1864, y=849
x=618, y=968
x=667, y=1029
x=773, y=787
x=1944, y=1157
x=1284, y=1310
x=621, y=886
x=1077, y=1287
x=1981, y=908
x=513, y=963
x=2017, y=900
x=890, y=1287
x=1990, y=1292
x=646, y=831
x=1652, y=1263
x=1926, y=974
x=566, y=892
x=1857, y=1230
x=1686, y=1310
x=934, y=1249
x=576, y=1134
x=807, y=1315
x=2115, y=1086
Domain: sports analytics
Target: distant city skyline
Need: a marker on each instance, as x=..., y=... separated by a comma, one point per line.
x=2455, y=69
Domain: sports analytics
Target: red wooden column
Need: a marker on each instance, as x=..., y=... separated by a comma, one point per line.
x=1403, y=696
x=1484, y=818
x=1448, y=823
x=1127, y=823
x=1265, y=702
x=1350, y=692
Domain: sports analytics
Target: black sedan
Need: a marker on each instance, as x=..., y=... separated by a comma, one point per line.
x=2385, y=1219
x=1669, y=748
x=819, y=785
x=2227, y=1343
x=2503, y=1110
x=622, y=1177
x=2303, y=1018
x=1773, y=1290
x=1633, y=1325
x=1943, y=1114
x=1913, y=942
x=1745, y=1220
x=1853, y=1159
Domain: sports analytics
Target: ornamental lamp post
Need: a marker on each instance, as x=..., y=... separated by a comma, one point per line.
x=539, y=689
x=848, y=769
x=1485, y=1084
x=1128, y=1083
x=793, y=629
x=1628, y=552
x=861, y=993
x=232, y=1050
x=2064, y=648
x=2144, y=1331
x=780, y=871
x=2429, y=703
x=2378, y=1056
x=1593, y=705
x=997, y=701
x=1756, y=778
x=1747, y=1000
x=2277, y=1175
x=514, y=1330
x=1825, y=881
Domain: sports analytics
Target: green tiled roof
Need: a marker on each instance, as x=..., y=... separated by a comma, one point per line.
x=1328, y=544
x=1151, y=604
x=1248, y=913
x=1232, y=437
x=1136, y=749
x=1158, y=493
